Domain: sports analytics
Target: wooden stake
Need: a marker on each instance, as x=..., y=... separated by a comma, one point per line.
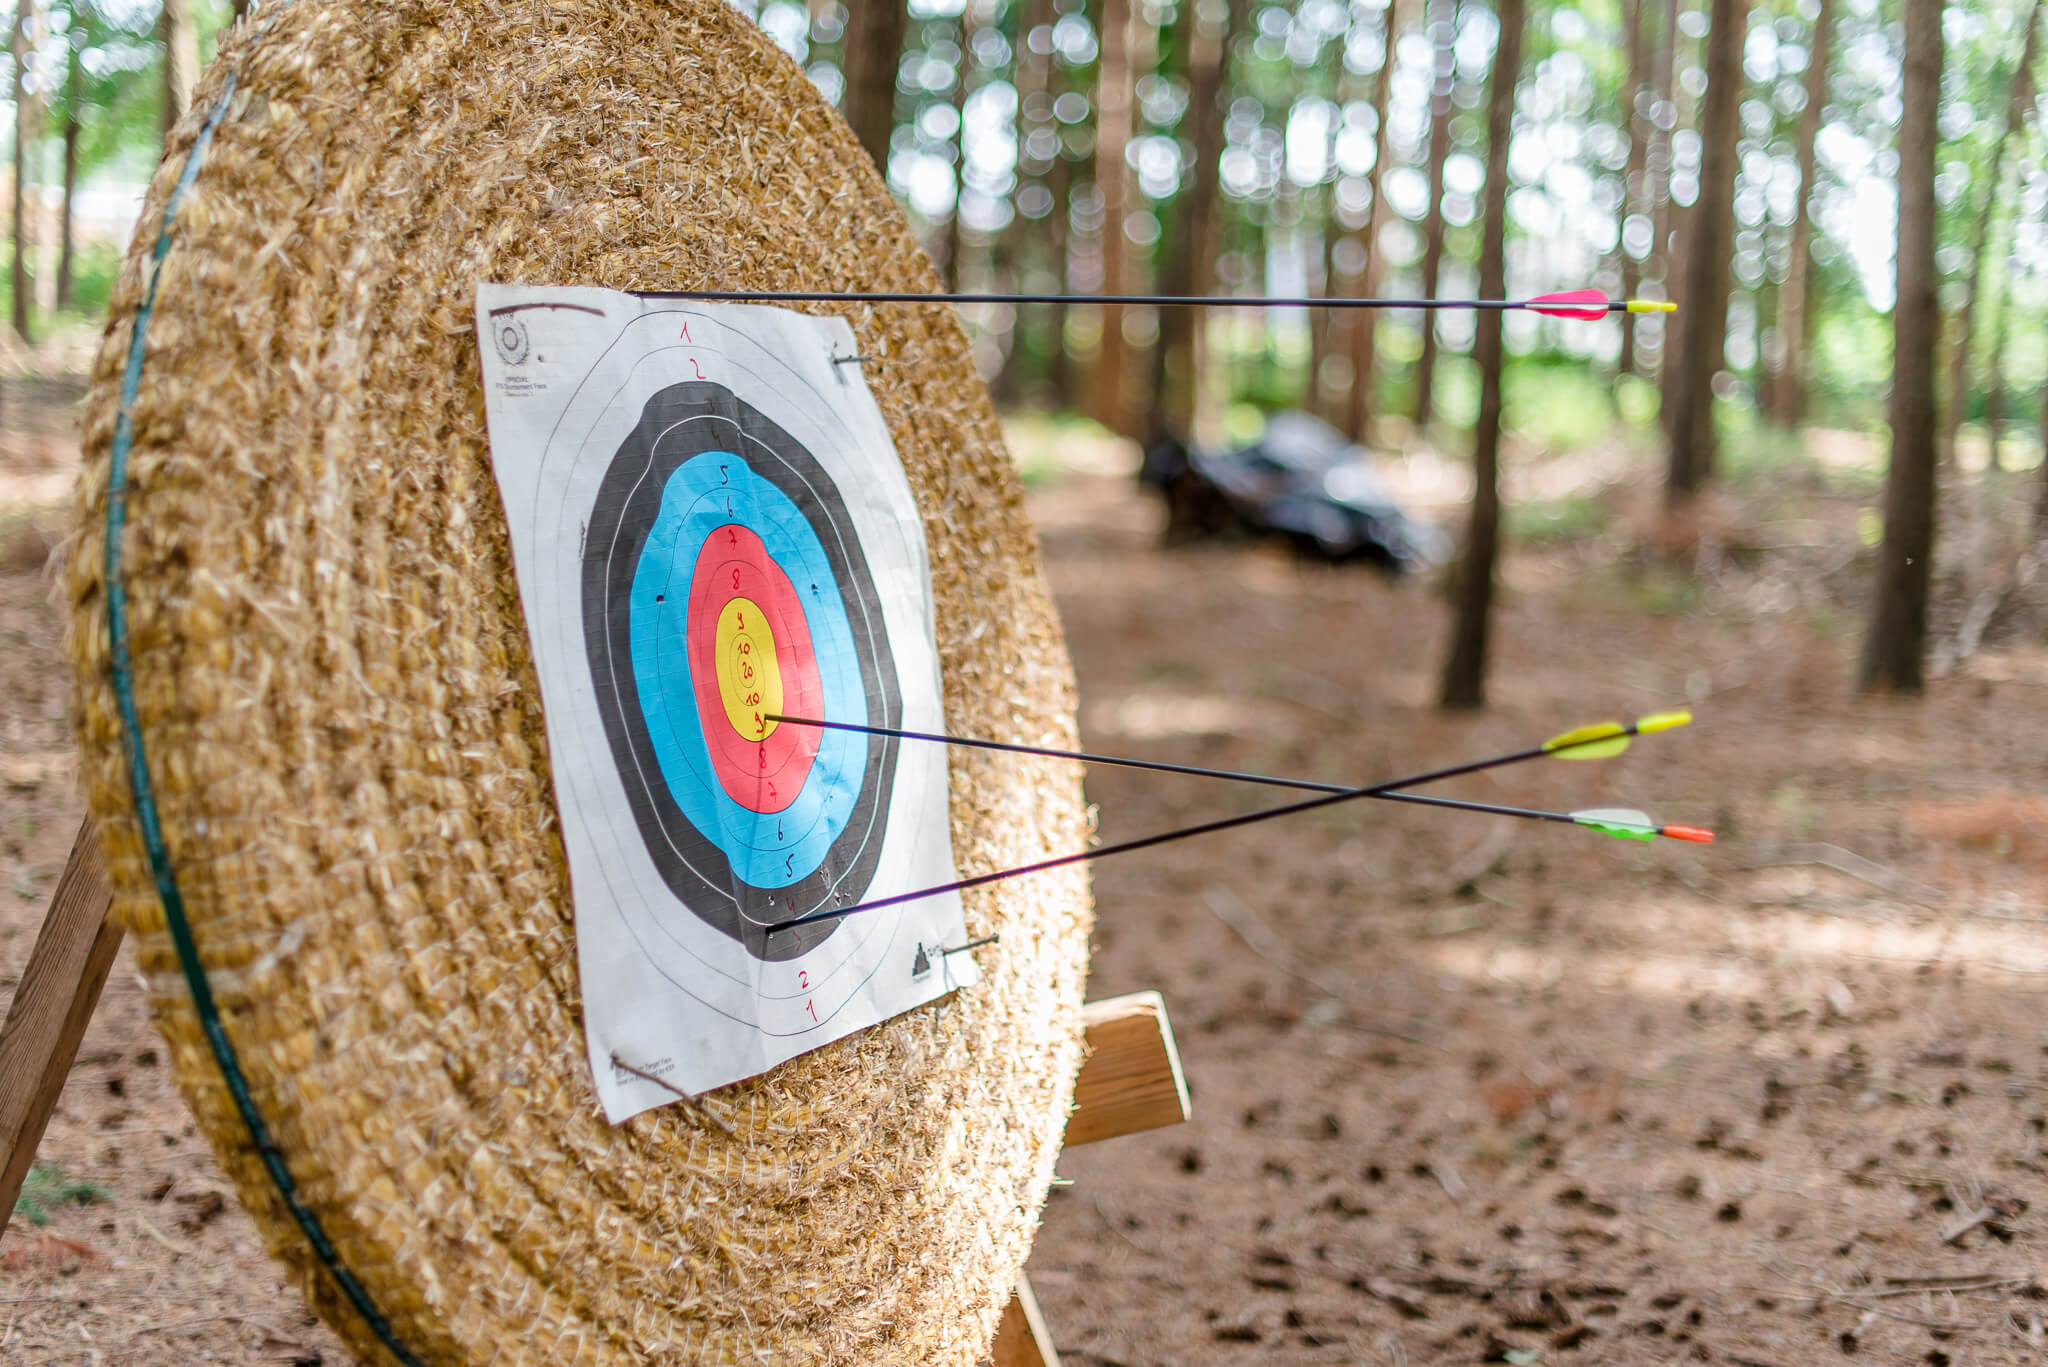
x=51, y=1008
x=1022, y=1339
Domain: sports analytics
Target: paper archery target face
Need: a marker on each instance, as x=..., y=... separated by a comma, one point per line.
x=712, y=530
x=727, y=586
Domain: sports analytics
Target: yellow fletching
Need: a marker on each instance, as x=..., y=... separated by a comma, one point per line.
x=1602, y=740
x=1652, y=306
x=1663, y=721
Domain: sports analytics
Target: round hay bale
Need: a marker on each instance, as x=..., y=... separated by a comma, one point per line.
x=333, y=690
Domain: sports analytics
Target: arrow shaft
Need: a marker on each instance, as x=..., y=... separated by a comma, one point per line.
x=1061, y=861
x=1387, y=790
x=1160, y=300
x=1198, y=771
x=1046, y=752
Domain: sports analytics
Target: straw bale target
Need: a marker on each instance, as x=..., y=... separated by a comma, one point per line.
x=334, y=699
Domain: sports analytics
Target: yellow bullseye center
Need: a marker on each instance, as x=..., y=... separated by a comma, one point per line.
x=749, y=680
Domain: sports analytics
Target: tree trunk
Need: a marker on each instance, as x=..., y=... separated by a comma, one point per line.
x=1464, y=679
x=1665, y=220
x=1994, y=369
x=1893, y=649
x=2041, y=476
x=1364, y=322
x=74, y=39
x=1964, y=332
x=870, y=54
x=1319, y=207
x=1031, y=74
x=1061, y=241
x=1188, y=260
x=181, y=60
x=954, y=235
x=1443, y=33
x=1112, y=136
x=1704, y=310
x=1634, y=183
x=1793, y=375
x=22, y=45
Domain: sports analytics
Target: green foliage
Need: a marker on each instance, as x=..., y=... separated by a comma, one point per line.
x=46, y=1187
x=1637, y=402
x=94, y=268
x=1457, y=392
x=1558, y=520
x=1750, y=451
x=1852, y=362
x=1303, y=73
x=1558, y=402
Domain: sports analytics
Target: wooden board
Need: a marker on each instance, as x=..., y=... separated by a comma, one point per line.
x=1021, y=1338
x=51, y=1008
x=1132, y=1079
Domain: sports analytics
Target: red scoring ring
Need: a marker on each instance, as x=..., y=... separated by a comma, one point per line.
x=762, y=776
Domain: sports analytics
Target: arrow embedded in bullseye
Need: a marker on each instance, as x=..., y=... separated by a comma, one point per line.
x=1601, y=740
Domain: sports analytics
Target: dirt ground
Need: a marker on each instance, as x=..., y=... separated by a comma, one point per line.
x=1465, y=1090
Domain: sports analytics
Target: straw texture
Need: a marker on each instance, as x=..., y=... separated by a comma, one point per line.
x=341, y=719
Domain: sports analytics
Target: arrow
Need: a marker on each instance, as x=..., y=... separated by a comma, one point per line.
x=1587, y=304
x=1591, y=741
x=1623, y=823
x=1602, y=740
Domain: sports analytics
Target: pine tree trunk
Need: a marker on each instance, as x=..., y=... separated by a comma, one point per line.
x=954, y=235
x=1963, y=334
x=1364, y=322
x=66, y=246
x=1664, y=214
x=1896, y=642
x=1464, y=678
x=1022, y=242
x=1793, y=375
x=1061, y=240
x=2041, y=476
x=1994, y=368
x=22, y=46
x=1320, y=207
x=1442, y=31
x=66, y=234
x=1634, y=186
x=871, y=52
x=1703, y=315
x=1188, y=260
x=1112, y=136
x=181, y=60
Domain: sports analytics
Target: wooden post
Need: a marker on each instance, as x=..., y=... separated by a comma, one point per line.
x=1022, y=1339
x=1130, y=1081
x=52, y=1005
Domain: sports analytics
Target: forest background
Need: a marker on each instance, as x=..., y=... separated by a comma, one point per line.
x=1752, y=160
